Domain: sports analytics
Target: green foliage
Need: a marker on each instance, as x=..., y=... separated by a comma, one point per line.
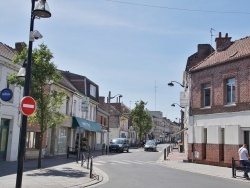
x=43, y=72
x=141, y=119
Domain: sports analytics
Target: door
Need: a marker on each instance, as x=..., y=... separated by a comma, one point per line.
x=4, y=132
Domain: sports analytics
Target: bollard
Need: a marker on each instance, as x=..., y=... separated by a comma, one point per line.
x=88, y=163
x=106, y=149
x=68, y=152
x=165, y=154
x=91, y=167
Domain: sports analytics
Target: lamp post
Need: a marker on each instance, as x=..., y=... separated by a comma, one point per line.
x=41, y=10
x=172, y=84
x=182, y=127
x=109, y=98
x=177, y=105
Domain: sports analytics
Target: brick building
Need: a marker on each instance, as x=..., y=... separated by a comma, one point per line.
x=219, y=113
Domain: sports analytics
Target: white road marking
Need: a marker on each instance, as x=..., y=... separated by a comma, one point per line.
x=120, y=162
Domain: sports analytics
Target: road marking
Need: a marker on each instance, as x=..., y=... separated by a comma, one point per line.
x=120, y=162
x=98, y=164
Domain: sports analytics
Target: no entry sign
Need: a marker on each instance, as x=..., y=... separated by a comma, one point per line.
x=28, y=105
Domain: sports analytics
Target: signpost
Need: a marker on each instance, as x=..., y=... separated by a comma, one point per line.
x=28, y=105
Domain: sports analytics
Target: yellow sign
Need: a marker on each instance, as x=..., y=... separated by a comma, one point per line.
x=123, y=118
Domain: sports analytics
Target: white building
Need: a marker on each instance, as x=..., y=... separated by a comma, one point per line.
x=10, y=117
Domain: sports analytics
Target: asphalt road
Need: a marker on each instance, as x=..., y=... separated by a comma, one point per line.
x=138, y=169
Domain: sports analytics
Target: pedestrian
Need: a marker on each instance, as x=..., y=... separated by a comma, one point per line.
x=244, y=159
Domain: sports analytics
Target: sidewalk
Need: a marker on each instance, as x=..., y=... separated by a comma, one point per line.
x=55, y=172
x=178, y=160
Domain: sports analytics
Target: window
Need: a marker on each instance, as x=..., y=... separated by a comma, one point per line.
x=230, y=90
x=206, y=95
x=31, y=140
x=67, y=105
x=74, y=108
x=92, y=90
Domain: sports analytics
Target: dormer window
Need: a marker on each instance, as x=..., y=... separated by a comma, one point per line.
x=92, y=90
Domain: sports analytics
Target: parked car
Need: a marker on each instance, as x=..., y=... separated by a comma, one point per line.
x=150, y=145
x=119, y=145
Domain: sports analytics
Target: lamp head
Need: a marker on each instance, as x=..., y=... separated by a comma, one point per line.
x=22, y=72
x=171, y=84
x=42, y=9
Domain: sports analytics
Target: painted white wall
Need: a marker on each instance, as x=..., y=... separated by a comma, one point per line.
x=10, y=110
x=222, y=119
x=214, y=134
x=232, y=134
x=196, y=134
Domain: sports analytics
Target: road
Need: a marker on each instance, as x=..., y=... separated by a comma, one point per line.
x=138, y=169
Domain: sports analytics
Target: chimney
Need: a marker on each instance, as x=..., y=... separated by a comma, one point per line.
x=101, y=100
x=19, y=46
x=222, y=42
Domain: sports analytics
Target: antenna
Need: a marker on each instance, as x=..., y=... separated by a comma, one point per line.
x=155, y=94
x=211, y=34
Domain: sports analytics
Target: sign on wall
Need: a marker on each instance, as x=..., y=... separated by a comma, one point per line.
x=85, y=104
x=184, y=99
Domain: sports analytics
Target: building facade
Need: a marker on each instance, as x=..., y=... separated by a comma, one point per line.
x=10, y=117
x=219, y=103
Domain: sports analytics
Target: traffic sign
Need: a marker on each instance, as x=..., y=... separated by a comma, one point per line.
x=28, y=105
x=6, y=94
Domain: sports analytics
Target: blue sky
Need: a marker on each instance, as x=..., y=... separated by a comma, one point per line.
x=128, y=47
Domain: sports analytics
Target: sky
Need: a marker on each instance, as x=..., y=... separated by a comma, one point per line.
x=129, y=47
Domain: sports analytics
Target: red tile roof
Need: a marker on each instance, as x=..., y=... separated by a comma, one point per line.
x=237, y=49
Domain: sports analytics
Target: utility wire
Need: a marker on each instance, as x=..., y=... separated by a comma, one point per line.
x=180, y=9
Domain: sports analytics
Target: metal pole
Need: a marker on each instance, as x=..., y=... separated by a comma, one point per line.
x=109, y=114
x=23, y=129
x=165, y=154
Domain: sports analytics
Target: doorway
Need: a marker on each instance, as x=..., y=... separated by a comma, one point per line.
x=247, y=139
x=4, y=132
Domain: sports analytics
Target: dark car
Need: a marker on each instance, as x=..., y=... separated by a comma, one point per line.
x=150, y=146
x=119, y=145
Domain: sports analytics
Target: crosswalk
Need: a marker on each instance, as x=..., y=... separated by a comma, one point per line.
x=123, y=162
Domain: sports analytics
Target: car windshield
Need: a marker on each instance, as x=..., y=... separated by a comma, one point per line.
x=117, y=141
x=150, y=142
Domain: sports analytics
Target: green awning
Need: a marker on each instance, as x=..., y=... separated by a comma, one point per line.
x=86, y=124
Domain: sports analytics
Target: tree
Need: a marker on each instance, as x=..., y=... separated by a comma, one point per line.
x=44, y=72
x=141, y=119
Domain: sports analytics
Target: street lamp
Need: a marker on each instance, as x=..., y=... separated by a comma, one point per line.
x=172, y=84
x=177, y=104
x=41, y=10
x=109, y=98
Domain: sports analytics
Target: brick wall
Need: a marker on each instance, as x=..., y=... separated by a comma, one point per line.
x=217, y=77
x=215, y=153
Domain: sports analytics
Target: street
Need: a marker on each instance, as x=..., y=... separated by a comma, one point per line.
x=138, y=169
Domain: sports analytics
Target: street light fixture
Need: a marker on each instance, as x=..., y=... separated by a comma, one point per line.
x=41, y=10
x=22, y=72
x=177, y=104
x=171, y=84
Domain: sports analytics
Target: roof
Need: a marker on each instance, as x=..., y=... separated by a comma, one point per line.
x=237, y=49
x=6, y=51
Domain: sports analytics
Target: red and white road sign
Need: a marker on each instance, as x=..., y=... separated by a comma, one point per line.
x=28, y=105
